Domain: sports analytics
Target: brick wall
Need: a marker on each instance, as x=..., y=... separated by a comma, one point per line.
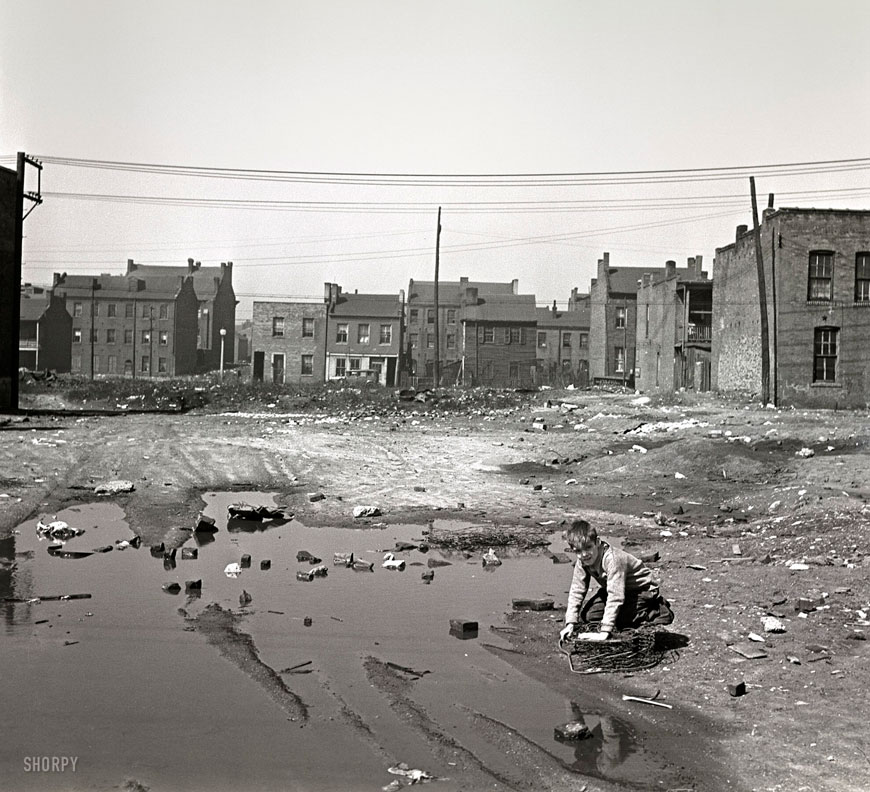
x=292, y=345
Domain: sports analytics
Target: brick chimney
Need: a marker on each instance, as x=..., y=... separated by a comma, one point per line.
x=670, y=269
x=515, y=286
x=604, y=272
x=131, y=266
x=741, y=230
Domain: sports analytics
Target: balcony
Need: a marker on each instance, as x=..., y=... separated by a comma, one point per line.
x=699, y=333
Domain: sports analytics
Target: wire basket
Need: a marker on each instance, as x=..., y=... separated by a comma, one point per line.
x=625, y=652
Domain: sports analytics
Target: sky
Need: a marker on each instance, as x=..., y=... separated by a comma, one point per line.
x=315, y=141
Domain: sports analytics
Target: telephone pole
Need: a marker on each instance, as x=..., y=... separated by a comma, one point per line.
x=436, y=369
x=762, y=299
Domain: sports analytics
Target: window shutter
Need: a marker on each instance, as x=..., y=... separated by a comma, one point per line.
x=480, y=334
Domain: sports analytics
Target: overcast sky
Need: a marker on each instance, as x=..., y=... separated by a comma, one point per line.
x=476, y=88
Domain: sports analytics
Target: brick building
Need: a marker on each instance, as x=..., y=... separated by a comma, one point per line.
x=421, y=325
x=364, y=336
x=816, y=266
x=288, y=341
x=131, y=326
x=44, y=330
x=562, y=343
x=497, y=339
x=674, y=329
x=613, y=321
x=217, y=306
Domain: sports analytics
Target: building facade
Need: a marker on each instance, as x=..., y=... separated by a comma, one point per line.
x=364, y=336
x=816, y=265
x=674, y=329
x=613, y=321
x=562, y=344
x=421, y=326
x=130, y=326
x=288, y=342
x=498, y=339
x=216, y=310
x=44, y=331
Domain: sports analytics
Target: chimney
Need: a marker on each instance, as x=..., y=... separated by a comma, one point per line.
x=58, y=279
x=131, y=265
x=515, y=286
x=463, y=282
x=770, y=200
x=690, y=266
x=741, y=230
x=699, y=259
x=670, y=269
x=554, y=307
x=604, y=272
x=327, y=292
x=767, y=213
x=190, y=267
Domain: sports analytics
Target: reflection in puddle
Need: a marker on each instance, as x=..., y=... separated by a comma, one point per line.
x=607, y=750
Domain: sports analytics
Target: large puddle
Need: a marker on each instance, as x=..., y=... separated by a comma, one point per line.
x=119, y=680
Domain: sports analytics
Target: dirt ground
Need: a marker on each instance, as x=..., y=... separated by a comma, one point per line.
x=747, y=523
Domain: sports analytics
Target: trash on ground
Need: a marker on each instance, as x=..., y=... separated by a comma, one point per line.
x=233, y=570
x=462, y=628
x=490, y=558
x=391, y=562
x=569, y=732
x=748, y=651
x=366, y=511
x=806, y=453
x=647, y=701
x=338, y=559
x=304, y=555
x=772, y=625
x=533, y=604
x=413, y=776
x=245, y=511
x=205, y=524
x=736, y=690
x=58, y=530
x=114, y=487
x=245, y=598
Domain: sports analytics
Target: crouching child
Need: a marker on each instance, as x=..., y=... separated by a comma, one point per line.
x=627, y=596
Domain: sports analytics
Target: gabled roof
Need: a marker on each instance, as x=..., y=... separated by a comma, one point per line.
x=502, y=308
x=452, y=291
x=205, y=279
x=375, y=306
x=32, y=308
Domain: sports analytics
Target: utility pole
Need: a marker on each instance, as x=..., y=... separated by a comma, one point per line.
x=436, y=371
x=762, y=299
x=93, y=313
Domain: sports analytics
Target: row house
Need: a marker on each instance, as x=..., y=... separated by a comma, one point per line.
x=216, y=310
x=816, y=265
x=674, y=329
x=422, y=326
x=44, y=330
x=562, y=343
x=613, y=321
x=498, y=339
x=345, y=336
x=134, y=326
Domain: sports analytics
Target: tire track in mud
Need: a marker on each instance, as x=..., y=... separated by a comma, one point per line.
x=446, y=748
x=221, y=630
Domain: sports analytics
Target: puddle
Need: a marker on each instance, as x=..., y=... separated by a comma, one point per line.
x=121, y=681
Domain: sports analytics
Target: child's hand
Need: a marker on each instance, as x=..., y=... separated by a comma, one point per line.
x=567, y=631
x=592, y=637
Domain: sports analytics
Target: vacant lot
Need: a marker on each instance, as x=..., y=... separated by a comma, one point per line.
x=754, y=512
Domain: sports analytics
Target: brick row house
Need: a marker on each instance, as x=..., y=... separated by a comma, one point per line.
x=44, y=330
x=421, y=326
x=674, y=329
x=816, y=265
x=345, y=336
x=216, y=308
x=562, y=343
x=131, y=326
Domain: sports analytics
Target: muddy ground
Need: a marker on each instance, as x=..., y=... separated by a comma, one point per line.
x=747, y=523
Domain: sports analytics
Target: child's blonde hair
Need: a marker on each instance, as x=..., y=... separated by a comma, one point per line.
x=581, y=533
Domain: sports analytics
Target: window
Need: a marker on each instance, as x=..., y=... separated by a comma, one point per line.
x=161, y=365
x=77, y=309
x=414, y=316
x=93, y=335
x=862, y=278
x=619, y=368
x=96, y=308
x=307, y=365
x=96, y=364
x=128, y=336
x=77, y=335
x=584, y=340
x=111, y=310
x=386, y=334
x=341, y=333
x=430, y=316
x=566, y=340
x=451, y=340
x=307, y=330
x=488, y=335
x=277, y=326
x=515, y=335
x=414, y=339
x=514, y=371
x=76, y=362
x=566, y=365
x=112, y=364
x=430, y=340
x=145, y=364
x=146, y=336
x=362, y=333
x=451, y=316
x=821, y=277
x=825, y=355
x=128, y=310
x=163, y=312
x=110, y=336
x=146, y=311
x=355, y=364
x=164, y=338
x=542, y=339
x=620, y=317
x=340, y=367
